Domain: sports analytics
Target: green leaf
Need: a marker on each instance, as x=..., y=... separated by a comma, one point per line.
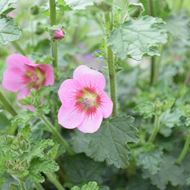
x=38, y=149
x=163, y=10
x=171, y=119
x=41, y=165
x=150, y=160
x=135, y=9
x=139, y=37
x=133, y=184
x=169, y=172
x=178, y=25
x=26, y=158
x=89, y=186
x=5, y=6
x=79, y=4
x=146, y=109
x=4, y=122
x=80, y=169
x=185, y=109
x=109, y=143
x=9, y=31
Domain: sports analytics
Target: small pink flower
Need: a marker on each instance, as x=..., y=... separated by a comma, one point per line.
x=84, y=102
x=58, y=34
x=22, y=75
x=11, y=14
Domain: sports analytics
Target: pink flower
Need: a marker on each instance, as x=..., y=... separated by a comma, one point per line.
x=11, y=14
x=22, y=75
x=84, y=102
x=58, y=34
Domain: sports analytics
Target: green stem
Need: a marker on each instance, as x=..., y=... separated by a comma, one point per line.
x=153, y=73
x=151, y=7
x=184, y=150
x=111, y=64
x=52, y=6
x=7, y=105
x=155, y=130
x=55, y=182
x=57, y=134
x=18, y=48
x=39, y=186
x=153, y=67
x=22, y=187
x=181, y=3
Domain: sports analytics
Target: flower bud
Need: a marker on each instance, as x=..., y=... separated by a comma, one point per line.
x=34, y=10
x=58, y=34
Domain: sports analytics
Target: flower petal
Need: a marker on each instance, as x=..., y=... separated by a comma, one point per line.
x=89, y=77
x=18, y=61
x=49, y=74
x=12, y=79
x=106, y=105
x=91, y=123
x=23, y=93
x=70, y=117
x=67, y=91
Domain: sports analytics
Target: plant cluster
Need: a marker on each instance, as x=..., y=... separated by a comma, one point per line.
x=94, y=95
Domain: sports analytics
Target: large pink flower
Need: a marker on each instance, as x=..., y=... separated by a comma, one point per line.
x=84, y=102
x=22, y=75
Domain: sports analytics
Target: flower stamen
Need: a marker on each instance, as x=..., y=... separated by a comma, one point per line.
x=87, y=100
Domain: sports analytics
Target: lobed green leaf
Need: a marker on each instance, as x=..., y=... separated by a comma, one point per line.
x=110, y=142
x=139, y=37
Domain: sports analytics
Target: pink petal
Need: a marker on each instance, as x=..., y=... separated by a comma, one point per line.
x=18, y=61
x=27, y=107
x=23, y=93
x=30, y=108
x=69, y=117
x=12, y=79
x=91, y=123
x=89, y=77
x=49, y=74
x=67, y=91
x=106, y=105
x=58, y=34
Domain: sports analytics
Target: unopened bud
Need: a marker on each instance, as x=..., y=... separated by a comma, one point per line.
x=58, y=34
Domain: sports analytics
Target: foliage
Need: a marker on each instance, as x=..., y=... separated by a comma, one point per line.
x=136, y=38
x=144, y=145
x=108, y=149
x=169, y=172
x=9, y=31
x=89, y=186
x=81, y=169
x=77, y=5
x=25, y=159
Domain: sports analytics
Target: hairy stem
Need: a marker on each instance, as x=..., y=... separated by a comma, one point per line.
x=18, y=48
x=151, y=7
x=57, y=135
x=153, y=70
x=22, y=186
x=52, y=6
x=7, y=106
x=153, y=67
x=181, y=4
x=156, y=129
x=39, y=186
x=55, y=182
x=184, y=150
x=111, y=64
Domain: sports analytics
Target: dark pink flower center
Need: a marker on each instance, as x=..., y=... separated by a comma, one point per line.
x=87, y=100
x=34, y=77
